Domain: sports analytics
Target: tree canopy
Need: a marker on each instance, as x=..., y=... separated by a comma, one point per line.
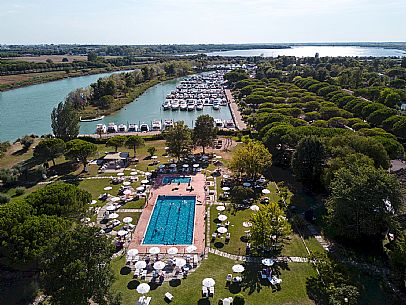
x=80, y=150
x=179, y=140
x=65, y=121
x=116, y=142
x=204, y=132
x=49, y=149
x=134, y=142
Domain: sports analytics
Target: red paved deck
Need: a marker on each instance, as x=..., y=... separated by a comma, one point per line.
x=198, y=182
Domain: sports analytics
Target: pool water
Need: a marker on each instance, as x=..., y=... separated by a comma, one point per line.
x=168, y=179
x=172, y=221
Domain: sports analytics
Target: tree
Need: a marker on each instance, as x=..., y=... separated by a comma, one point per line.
x=204, y=132
x=49, y=149
x=269, y=227
x=134, y=142
x=65, y=121
x=59, y=199
x=27, y=141
x=308, y=160
x=116, y=142
x=77, y=269
x=9, y=176
x=240, y=193
x=151, y=150
x=91, y=56
x=80, y=150
x=397, y=256
x=362, y=202
x=179, y=140
x=252, y=159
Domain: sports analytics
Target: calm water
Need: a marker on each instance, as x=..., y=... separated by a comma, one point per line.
x=308, y=51
x=148, y=107
x=28, y=110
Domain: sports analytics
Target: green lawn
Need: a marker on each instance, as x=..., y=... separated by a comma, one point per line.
x=293, y=287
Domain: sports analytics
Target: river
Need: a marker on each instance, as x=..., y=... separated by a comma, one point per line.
x=309, y=51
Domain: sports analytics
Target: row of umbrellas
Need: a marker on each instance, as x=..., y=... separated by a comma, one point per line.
x=157, y=250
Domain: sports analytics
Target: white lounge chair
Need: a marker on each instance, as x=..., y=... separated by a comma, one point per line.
x=147, y=300
x=211, y=291
x=169, y=296
x=137, y=272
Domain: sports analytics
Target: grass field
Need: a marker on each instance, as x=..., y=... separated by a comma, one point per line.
x=44, y=58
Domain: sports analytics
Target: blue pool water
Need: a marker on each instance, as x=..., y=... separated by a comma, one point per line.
x=172, y=221
x=169, y=179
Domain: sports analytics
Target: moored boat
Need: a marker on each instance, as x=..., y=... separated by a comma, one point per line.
x=132, y=127
x=156, y=125
x=101, y=128
x=122, y=128
x=144, y=127
x=168, y=124
x=111, y=128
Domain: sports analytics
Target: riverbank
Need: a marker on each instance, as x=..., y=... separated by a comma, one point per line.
x=10, y=82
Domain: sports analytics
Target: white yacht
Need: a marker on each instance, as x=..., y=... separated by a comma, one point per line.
x=111, y=128
x=122, y=128
x=183, y=105
x=168, y=124
x=219, y=123
x=166, y=105
x=216, y=105
x=144, y=127
x=156, y=125
x=175, y=105
x=199, y=105
x=101, y=128
x=191, y=105
x=132, y=127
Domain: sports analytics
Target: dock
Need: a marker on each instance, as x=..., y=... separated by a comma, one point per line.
x=235, y=112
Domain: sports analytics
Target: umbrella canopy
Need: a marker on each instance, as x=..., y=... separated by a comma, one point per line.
x=127, y=192
x=225, y=188
x=185, y=165
x=191, y=248
x=114, y=199
x=120, y=174
x=93, y=201
x=126, y=183
x=113, y=216
x=238, y=268
x=145, y=181
x=154, y=157
x=159, y=265
x=108, y=188
x=247, y=224
x=228, y=301
x=154, y=250
x=222, y=217
x=267, y=261
x=172, y=165
x=180, y=262
x=166, y=147
x=132, y=252
x=133, y=173
x=246, y=184
x=196, y=165
x=220, y=208
x=266, y=191
x=161, y=166
x=222, y=230
x=208, y=282
x=254, y=208
x=127, y=219
x=143, y=288
x=225, y=176
x=219, y=157
x=110, y=208
x=172, y=251
x=122, y=233
x=140, y=265
x=147, y=174
x=140, y=188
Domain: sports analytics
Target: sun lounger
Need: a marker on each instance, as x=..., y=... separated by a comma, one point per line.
x=205, y=292
x=213, y=236
x=144, y=273
x=141, y=300
x=211, y=291
x=195, y=260
x=229, y=277
x=168, y=296
x=147, y=300
x=136, y=272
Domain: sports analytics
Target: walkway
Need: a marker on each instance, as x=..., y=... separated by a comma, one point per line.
x=235, y=112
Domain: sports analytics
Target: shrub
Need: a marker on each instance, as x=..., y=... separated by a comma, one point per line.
x=239, y=299
x=20, y=190
x=4, y=198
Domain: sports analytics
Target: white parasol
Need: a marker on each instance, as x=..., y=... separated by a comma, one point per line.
x=180, y=262
x=126, y=183
x=196, y=165
x=225, y=188
x=222, y=230
x=266, y=191
x=220, y=208
x=140, y=265
x=191, y=248
x=122, y=233
x=133, y=173
x=145, y=181
x=238, y=268
x=120, y=174
x=113, y=216
x=222, y=217
x=148, y=174
x=143, y=288
x=108, y=188
x=114, y=199
x=185, y=165
x=111, y=208
x=93, y=201
x=208, y=282
x=254, y=208
x=127, y=219
x=159, y=265
x=140, y=188
x=154, y=250
x=132, y=252
x=172, y=251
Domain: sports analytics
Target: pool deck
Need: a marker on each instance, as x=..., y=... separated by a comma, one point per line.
x=198, y=182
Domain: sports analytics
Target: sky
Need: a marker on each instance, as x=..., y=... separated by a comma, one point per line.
x=200, y=21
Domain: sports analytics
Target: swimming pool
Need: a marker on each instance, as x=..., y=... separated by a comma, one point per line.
x=175, y=179
x=172, y=221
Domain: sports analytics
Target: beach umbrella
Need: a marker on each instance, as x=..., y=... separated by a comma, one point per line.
x=111, y=208
x=225, y=188
x=120, y=174
x=132, y=252
x=127, y=219
x=127, y=192
x=172, y=251
x=180, y=262
x=126, y=183
x=228, y=301
x=261, y=180
x=220, y=208
x=154, y=250
x=93, y=201
x=115, y=199
x=219, y=157
x=238, y=268
x=148, y=174
x=226, y=176
x=246, y=184
x=140, y=265
x=154, y=157
x=133, y=173
x=208, y=282
x=222, y=230
x=108, y=188
x=247, y=224
x=122, y=233
x=196, y=165
x=143, y=288
x=185, y=165
x=113, y=216
x=166, y=147
x=267, y=261
x=266, y=191
x=145, y=181
x=140, y=188
x=159, y=265
x=161, y=166
x=222, y=217
x=254, y=207
x=173, y=165
x=191, y=248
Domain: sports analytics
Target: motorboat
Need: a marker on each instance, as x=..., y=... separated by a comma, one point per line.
x=175, y=105
x=216, y=105
x=132, y=127
x=111, y=128
x=167, y=105
x=101, y=128
x=156, y=125
x=168, y=124
x=122, y=128
x=219, y=123
x=229, y=124
x=144, y=127
x=191, y=105
x=199, y=105
x=183, y=105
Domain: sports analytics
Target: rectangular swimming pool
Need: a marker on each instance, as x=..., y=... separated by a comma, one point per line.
x=175, y=179
x=172, y=221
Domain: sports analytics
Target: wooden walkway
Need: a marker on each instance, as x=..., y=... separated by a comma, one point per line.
x=235, y=112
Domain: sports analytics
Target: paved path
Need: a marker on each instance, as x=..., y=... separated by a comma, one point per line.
x=235, y=112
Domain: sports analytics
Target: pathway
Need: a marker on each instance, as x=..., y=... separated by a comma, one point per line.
x=235, y=112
